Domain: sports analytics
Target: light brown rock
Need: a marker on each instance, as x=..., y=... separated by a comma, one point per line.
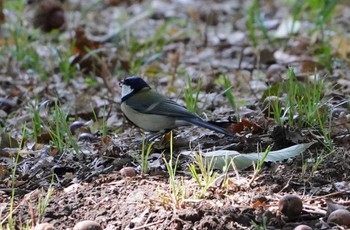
x=128, y=172
x=44, y=226
x=302, y=227
x=87, y=225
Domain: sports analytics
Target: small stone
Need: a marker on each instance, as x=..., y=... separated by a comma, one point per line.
x=87, y=225
x=44, y=226
x=302, y=227
x=128, y=172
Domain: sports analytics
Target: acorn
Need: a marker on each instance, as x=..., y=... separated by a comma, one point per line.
x=290, y=206
x=340, y=217
x=87, y=225
x=49, y=15
x=128, y=172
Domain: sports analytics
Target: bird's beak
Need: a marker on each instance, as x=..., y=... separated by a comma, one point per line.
x=121, y=83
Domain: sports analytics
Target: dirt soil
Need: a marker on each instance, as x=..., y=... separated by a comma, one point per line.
x=104, y=182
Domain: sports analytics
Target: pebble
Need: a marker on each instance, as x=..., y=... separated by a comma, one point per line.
x=44, y=226
x=87, y=225
x=128, y=172
x=302, y=227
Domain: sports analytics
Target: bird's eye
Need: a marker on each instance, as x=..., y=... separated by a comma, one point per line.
x=121, y=83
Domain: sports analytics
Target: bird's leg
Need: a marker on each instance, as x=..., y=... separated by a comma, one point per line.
x=154, y=136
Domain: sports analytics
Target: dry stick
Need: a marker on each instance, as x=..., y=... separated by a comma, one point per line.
x=105, y=75
x=252, y=179
x=331, y=194
x=25, y=199
x=286, y=186
x=148, y=225
x=18, y=191
x=241, y=56
x=314, y=210
x=176, y=64
x=32, y=213
x=255, y=175
x=205, y=42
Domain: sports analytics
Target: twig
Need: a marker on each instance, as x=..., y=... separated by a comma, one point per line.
x=330, y=195
x=314, y=210
x=286, y=186
x=25, y=199
x=148, y=225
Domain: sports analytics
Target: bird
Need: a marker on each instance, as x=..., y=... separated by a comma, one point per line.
x=154, y=112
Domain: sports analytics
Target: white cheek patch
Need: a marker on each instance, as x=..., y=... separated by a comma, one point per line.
x=126, y=90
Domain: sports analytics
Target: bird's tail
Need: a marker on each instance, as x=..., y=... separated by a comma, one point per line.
x=209, y=126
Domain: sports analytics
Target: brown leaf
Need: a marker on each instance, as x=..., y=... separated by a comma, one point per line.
x=309, y=66
x=82, y=43
x=244, y=125
x=54, y=152
x=259, y=203
x=341, y=45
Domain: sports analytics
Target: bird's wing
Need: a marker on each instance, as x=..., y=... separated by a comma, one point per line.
x=151, y=102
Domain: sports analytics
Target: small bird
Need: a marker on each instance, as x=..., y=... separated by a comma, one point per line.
x=154, y=112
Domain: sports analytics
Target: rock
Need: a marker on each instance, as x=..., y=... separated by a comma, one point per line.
x=44, y=226
x=87, y=225
x=302, y=227
x=128, y=172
